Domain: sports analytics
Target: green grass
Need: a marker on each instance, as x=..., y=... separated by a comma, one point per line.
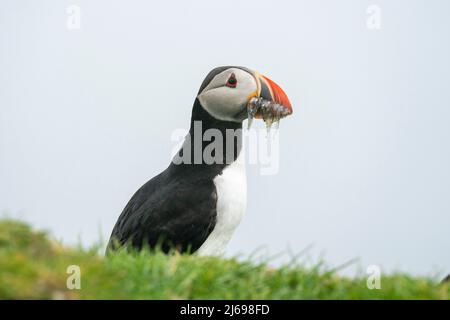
x=32, y=266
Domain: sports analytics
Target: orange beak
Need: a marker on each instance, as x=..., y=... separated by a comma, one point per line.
x=269, y=90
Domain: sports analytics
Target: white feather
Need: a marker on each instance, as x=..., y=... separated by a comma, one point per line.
x=223, y=102
x=231, y=188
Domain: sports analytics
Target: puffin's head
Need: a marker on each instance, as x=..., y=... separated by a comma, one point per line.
x=227, y=92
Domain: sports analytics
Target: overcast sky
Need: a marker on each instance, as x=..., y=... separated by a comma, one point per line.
x=86, y=117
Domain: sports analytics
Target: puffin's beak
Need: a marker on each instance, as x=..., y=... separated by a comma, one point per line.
x=270, y=91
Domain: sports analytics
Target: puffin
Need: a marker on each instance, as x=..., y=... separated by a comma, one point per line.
x=198, y=201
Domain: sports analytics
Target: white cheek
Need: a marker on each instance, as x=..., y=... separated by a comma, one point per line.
x=224, y=103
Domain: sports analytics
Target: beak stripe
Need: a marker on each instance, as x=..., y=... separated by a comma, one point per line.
x=266, y=91
x=278, y=94
x=270, y=91
x=258, y=78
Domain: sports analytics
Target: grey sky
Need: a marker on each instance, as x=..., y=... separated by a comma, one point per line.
x=86, y=118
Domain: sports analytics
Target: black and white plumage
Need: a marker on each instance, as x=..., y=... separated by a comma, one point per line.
x=196, y=206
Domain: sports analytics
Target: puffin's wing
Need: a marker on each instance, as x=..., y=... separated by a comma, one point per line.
x=170, y=215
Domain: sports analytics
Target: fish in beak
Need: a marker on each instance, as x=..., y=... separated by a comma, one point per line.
x=269, y=102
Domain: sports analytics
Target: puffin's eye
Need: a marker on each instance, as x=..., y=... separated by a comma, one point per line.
x=232, y=81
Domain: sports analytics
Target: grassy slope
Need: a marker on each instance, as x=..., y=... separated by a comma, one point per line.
x=32, y=266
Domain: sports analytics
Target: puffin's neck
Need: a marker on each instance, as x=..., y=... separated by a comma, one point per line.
x=195, y=150
x=208, y=121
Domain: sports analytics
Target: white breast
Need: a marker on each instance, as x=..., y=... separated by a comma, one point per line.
x=231, y=188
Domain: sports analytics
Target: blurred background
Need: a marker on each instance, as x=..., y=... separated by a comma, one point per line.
x=88, y=106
